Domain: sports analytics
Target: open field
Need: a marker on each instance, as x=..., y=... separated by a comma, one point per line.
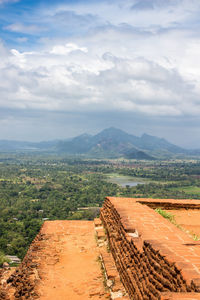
x=189, y=190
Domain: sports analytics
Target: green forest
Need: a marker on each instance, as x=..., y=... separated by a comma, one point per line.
x=35, y=188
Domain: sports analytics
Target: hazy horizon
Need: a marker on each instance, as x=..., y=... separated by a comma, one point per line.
x=91, y=134
x=72, y=67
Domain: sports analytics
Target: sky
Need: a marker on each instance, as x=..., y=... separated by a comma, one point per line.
x=76, y=66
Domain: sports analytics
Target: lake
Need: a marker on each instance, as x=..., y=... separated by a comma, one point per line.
x=124, y=180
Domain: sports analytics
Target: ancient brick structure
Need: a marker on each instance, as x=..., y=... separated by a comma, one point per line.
x=152, y=256
x=137, y=254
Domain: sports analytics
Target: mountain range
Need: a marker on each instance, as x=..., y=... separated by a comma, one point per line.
x=109, y=143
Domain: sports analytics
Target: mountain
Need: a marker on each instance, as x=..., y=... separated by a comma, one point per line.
x=135, y=154
x=113, y=143
x=109, y=143
x=78, y=145
x=149, y=142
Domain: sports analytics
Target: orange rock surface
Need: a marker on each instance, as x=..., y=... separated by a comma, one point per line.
x=69, y=266
x=188, y=219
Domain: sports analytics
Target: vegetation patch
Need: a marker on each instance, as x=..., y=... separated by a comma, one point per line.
x=196, y=237
x=189, y=190
x=165, y=214
x=3, y=259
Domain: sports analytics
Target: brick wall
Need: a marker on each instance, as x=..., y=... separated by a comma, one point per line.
x=144, y=271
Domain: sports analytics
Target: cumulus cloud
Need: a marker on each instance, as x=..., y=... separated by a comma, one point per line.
x=70, y=77
x=67, y=48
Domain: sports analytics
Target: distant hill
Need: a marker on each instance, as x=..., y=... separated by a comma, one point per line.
x=109, y=143
x=113, y=142
x=13, y=146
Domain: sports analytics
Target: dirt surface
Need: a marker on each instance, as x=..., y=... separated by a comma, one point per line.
x=69, y=266
x=188, y=219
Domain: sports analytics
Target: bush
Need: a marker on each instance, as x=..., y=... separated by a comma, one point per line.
x=3, y=259
x=165, y=214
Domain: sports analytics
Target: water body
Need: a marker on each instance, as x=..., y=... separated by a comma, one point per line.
x=124, y=180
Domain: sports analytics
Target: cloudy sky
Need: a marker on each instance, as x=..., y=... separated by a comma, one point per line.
x=69, y=67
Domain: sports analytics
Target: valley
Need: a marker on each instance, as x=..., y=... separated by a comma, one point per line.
x=35, y=188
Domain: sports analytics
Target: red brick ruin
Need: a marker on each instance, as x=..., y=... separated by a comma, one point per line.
x=155, y=259
x=141, y=255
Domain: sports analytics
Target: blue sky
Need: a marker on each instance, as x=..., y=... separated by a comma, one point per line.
x=68, y=67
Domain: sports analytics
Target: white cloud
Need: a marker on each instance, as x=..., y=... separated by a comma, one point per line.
x=67, y=48
x=24, y=28
x=71, y=77
x=132, y=60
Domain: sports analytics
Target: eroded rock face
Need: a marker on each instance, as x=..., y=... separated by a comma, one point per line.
x=4, y=274
x=21, y=283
